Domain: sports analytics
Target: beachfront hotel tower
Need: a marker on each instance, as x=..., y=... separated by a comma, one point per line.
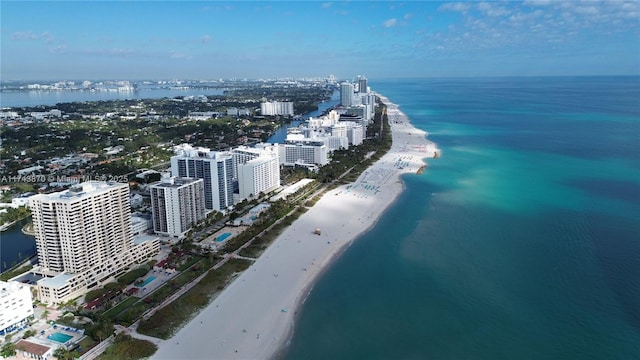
x=213, y=167
x=259, y=175
x=257, y=169
x=84, y=238
x=177, y=204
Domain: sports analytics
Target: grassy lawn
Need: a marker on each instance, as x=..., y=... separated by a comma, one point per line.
x=114, y=311
x=86, y=344
x=132, y=313
x=191, y=261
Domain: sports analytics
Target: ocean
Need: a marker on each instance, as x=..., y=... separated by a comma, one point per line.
x=522, y=241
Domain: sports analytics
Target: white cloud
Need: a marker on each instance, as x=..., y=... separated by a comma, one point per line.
x=206, y=38
x=491, y=9
x=326, y=5
x=25, y=35
x=59, y=49
x=48, y=37
x=456, y=6
x=177, y=55
x=521, y=26
x=537, y=2
x=111, y=52
x=390, y=23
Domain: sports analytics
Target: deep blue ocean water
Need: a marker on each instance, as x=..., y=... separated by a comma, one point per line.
x=521, y=242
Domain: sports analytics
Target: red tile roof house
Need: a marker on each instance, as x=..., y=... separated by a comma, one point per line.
x=30, y=350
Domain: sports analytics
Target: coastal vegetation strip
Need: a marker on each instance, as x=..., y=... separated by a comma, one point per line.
x=126, y=347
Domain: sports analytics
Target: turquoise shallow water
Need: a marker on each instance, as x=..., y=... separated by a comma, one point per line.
x=520, y=242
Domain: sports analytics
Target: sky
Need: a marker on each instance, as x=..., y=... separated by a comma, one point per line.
x=94, y=40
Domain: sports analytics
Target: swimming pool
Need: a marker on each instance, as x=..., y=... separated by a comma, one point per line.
x=222, y=237
x=146, y=281
x=59, y=337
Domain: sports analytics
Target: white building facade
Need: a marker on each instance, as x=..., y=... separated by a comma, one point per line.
x=16, y=306
x=306, y=152
x=213, y=167
x=260, y=175
x=276, y=108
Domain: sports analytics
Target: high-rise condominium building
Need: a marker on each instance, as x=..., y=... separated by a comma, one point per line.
x=242, y=154
x=213, y=167
x=88, y=223
x=177, y=204
x=308, y=151
x=346, y=94
x=257, y=169
x=84, y=238
x=259, y=175
x=363, y=87
x=276, y=108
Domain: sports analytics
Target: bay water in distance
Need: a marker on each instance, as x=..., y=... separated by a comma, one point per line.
x=522, y=241
x=50, y=98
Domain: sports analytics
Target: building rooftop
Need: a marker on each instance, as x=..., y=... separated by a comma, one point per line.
x=175, y=182
x=57, y=281
x=32, y=348
x=139, y=239
x=83, y=189
x=9, y=287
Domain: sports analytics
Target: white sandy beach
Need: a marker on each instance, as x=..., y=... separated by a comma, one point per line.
x=253, y=317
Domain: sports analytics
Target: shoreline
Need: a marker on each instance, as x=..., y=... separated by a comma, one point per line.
x=254, y=316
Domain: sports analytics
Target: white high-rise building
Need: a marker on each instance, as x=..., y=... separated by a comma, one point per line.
x=259, y=175
x=355, y=134
x=84, y=238
x=308, y=151
x=242, y=154
x=16, y=306
x=257, y=169
x=177, y=204
x=346, y=94
x=214, y=167
x=276, y=108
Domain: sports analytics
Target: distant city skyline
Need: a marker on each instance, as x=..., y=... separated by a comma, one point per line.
x=58, y=40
